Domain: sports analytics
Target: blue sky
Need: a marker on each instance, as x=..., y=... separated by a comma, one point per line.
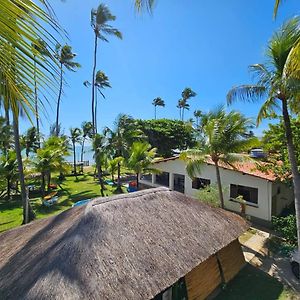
x=203, y=44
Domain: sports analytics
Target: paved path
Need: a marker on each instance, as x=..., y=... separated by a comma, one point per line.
x=257, y=254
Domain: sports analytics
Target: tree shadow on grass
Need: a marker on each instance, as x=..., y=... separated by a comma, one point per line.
x=252, y=283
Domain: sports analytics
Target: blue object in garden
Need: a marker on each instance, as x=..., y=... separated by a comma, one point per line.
x=81, y=202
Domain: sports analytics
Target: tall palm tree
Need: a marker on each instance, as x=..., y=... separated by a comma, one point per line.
x=22, y=25
x=141, y=158
x=144, y=5
x=280, y=91
x=100, y=18
x=87, y=132
x=39, y=49
x=65, y=57
x=182, y=105
x=157, y=102
x=30, y=140
x=223, y=135
x=75, y=135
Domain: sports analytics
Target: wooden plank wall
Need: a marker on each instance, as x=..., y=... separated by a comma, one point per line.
x=232, y=260
x=206, y=277
x=203, y=280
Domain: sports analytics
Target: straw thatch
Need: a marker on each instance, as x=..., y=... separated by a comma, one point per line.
x=124, y=247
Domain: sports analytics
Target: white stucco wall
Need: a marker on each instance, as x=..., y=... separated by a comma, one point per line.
x=263, y=209
x=284, y=196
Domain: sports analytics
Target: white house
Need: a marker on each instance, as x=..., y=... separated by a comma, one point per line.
x=264, y=195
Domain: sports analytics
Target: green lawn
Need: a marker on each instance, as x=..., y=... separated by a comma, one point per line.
x=71, y=191
x=253, y=284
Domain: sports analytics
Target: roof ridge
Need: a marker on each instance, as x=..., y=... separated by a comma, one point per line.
x=101, y=200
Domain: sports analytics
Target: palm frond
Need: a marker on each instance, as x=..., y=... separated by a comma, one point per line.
x=246, y=93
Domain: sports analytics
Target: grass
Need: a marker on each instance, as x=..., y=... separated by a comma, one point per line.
x=252, y=283
x=70, y=191
x=247, y=235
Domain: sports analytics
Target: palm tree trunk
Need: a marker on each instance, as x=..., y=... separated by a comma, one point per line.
x=36, y=107
x=74, y=159
x=49, y=181
x=154, y=112
x=137, y=181
x=43, y=184
x=8, y=188
x=119, y=188
x=293, y=162
x=182, y=114
x=219, y=184
x=93, y=82
x=58, y=100
x=82, y=149
x=96, y=107
x=28, y=214
x=99, y=169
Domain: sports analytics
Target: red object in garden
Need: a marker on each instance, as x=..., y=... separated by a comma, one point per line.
x=53, y=186
x=132, y=184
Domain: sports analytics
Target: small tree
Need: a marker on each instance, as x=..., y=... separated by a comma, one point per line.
x=75, y=135
x=141, y=158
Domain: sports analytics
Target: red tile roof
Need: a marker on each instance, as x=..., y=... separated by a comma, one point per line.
x=246, y=167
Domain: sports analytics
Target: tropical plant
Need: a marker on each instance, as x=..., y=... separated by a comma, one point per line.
x=197, y=115
x=75, y=136
x=186, y=94
x=9, y=170
x=100, y=19
x=87, y=132
x=65, y=57
x=22, y=23
x=182, y=105
x=280, y=89
x=224, y=135
x=113, y=166
x=30, y=141
x=6, y=136
x=157, y=102
x=144, y=4
x=141, y=158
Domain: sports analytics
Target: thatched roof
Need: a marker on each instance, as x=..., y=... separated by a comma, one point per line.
x=124, y=247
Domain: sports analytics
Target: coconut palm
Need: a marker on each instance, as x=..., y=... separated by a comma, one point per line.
x=140, y=159
x=100, y=18
x=197, y=115
x=65, y=57
x=223, y=136
x=30, y=141
x=22, y=25
x=157, y=102
x=113, y=166
x=182, y=105
x=39, y=49
x=279, y=89
x=87, y=132
x=75, y=136
x=144, y=5
x=121, y=139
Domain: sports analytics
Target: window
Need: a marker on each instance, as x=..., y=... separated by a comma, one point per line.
x=200, y=183
x=249, y=194
x=163, y=179
x=147, y=177
x=177, y=291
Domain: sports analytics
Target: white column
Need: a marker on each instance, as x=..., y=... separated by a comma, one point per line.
x=171, y=181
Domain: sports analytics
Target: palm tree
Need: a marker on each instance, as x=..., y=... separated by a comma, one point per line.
x=141, y=158
x=39, y=49
x=182, y=105
x=101, y=82
x=30, y=140
x=100, y=156
x=223, y=135
x=186, y=94
x=87, y=132
x=22, y=25
x=280, y=89
x=100, y=18
x=113, y=166
x=197, y=115
x=75, y=135
x=121, y=139
x=157, y=102
x=144, y=4
x=65, y=57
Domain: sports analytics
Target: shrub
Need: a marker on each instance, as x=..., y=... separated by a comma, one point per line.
x=287, y=228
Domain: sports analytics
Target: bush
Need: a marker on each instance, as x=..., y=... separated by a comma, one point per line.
x=286, y=227
x=210, y=195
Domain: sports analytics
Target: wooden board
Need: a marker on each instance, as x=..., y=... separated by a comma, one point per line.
x=203, y=280
x=232, y=260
